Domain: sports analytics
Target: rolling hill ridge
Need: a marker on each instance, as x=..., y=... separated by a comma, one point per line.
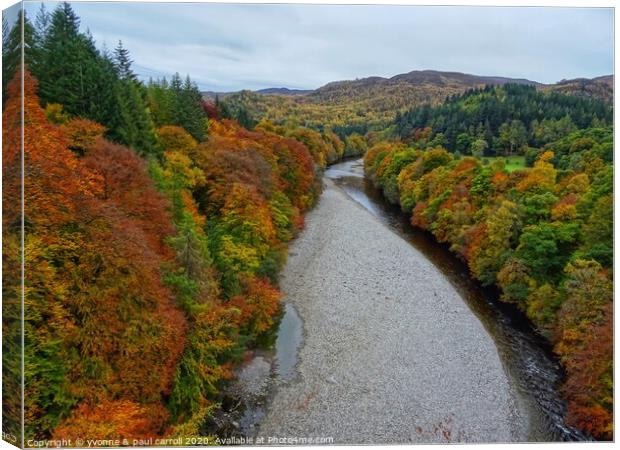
x=370, y=103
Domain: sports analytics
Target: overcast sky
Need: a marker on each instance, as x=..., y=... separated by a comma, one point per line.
x=232, y=47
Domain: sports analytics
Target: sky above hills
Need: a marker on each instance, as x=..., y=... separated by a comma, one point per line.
x=235, y=46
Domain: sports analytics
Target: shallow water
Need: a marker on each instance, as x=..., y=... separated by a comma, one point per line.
x=528, y=361
x=244, y=401
x=287, y=344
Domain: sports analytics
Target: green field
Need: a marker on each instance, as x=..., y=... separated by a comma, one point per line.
x=512, y=162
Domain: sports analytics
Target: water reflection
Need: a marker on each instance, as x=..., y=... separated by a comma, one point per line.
x=288, y=343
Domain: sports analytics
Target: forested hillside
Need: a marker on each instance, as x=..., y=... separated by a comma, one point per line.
x=370, y=104
x=153, y=238
x=601, y=88
x=501, y=120
x=356, y=106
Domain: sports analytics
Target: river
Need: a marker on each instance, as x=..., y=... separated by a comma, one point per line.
x=385, y=338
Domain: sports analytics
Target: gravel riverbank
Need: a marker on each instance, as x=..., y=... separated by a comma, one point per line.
x=390, y=352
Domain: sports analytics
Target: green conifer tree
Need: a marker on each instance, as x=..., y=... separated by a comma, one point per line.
x=135, y=128
x=12, y=46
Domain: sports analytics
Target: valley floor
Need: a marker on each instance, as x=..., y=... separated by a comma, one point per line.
x=391, y=353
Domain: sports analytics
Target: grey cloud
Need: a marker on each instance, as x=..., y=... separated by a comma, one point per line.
x=235, y=46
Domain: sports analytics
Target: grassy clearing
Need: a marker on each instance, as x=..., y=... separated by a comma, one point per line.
x=512, y=162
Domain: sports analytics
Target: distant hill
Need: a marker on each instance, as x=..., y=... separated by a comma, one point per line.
x=416, y=78
x=211, y=95
x=447, y=78
x=268, y=91
x=405, y=90
x=372, y=103
x=428, y=84
x=600, y=87
x=283, y=91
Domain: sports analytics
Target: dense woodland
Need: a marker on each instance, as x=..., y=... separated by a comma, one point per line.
x=153, y=238
x=501, y=120
x=156, y=223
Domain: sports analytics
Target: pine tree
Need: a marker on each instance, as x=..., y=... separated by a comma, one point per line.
x=195, y=116
x=12, y=46
x=5, y=52
x=65, y=60
x=42, y=22
x=72, y=72
x=159, y=99
x=5, y=35
x=135, y=127
x=100, y=102
x=123, y=62
x=186, y=107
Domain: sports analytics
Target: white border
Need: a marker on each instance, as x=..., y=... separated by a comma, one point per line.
x=557, y=3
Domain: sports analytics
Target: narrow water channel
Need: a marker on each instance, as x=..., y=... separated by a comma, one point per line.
x=287, y=343
x=526, y=356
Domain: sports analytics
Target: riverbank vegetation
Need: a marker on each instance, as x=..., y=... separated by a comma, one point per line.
x=153, y=238
x=542, y=234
